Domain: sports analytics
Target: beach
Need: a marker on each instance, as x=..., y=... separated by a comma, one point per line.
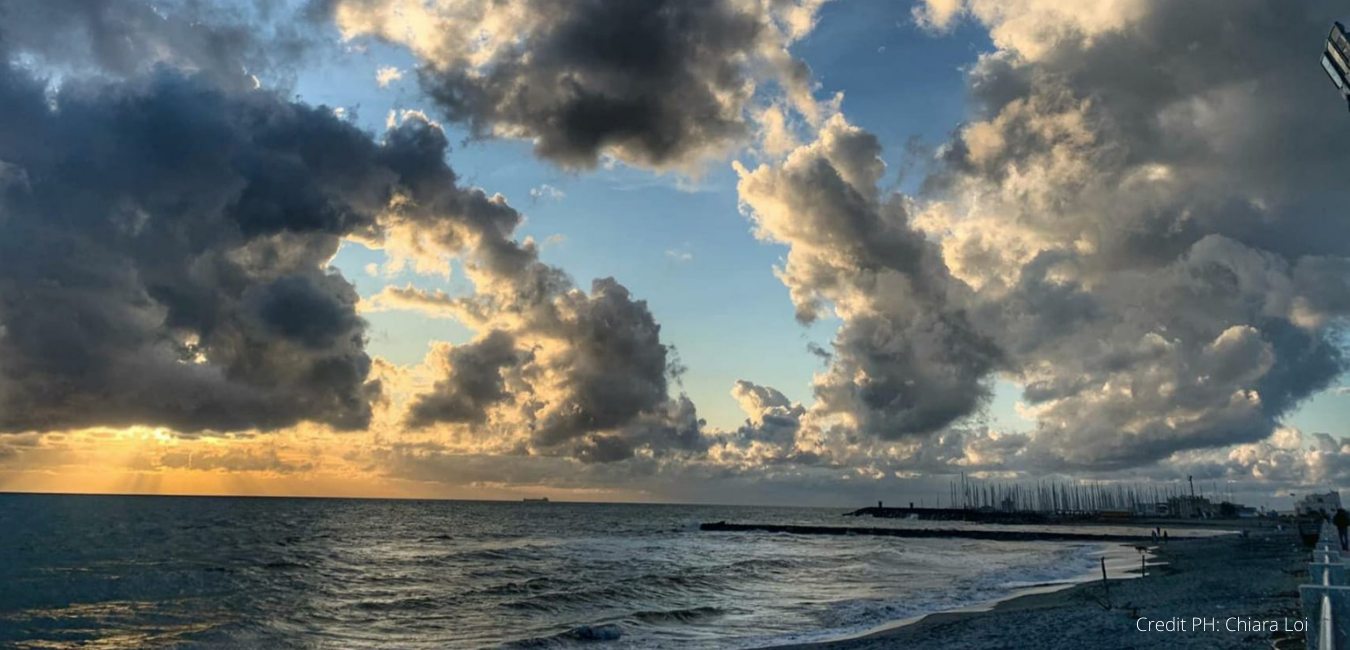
x=1238, y=584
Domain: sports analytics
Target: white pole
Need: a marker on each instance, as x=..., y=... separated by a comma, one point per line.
x=1326, y=639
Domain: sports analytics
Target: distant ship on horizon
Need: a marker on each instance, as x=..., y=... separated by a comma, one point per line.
x=539, y=500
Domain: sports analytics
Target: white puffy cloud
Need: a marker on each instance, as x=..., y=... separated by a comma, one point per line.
x=387, y=75
x=546, y=192
x=1030, y=28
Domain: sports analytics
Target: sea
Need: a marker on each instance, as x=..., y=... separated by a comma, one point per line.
x=143, y=572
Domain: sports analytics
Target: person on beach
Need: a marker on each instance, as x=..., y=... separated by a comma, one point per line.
x=1342, y=522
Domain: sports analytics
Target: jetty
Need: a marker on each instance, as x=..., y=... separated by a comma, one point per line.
x=928, y=533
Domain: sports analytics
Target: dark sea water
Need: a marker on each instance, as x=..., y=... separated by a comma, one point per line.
x=117, y=572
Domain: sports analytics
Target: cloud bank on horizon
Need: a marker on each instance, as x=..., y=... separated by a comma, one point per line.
x=1138, y=224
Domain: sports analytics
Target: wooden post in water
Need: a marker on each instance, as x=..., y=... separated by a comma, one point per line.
x=1106, y=586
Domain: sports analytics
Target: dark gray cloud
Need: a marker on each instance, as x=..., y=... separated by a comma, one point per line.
x=165, y=234
x=644, y=77
x=819, y=352
x=163, y=257
x=662, y=83
x=616, y=364
x=669, y=430
x=475, y=381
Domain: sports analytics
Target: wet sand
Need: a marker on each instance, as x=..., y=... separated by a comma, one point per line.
x=1232, y=580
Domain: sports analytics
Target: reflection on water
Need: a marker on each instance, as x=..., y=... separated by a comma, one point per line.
x=112, y=625
x=154, y=572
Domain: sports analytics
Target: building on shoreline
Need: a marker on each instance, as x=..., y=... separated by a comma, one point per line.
x=1192, y=507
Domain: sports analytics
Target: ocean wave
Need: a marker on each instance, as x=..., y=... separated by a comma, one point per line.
x=679, y=616
x=530, y=586
x=518, y=553
x=582, y=634
x=415, y=603
x=284, y=565
x=756, y=565
x=641, y=588
x=864, y=613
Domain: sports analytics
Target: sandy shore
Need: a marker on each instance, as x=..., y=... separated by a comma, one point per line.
x=1232, y=580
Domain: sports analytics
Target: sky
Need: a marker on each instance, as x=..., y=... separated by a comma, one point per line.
x=734, y=251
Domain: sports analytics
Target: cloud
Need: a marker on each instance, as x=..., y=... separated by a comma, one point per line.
x=1288, y=459
x=1150, y=256
x=234, y=459
x=546, y=192
x=679, y=255
x=386, y=75
x=771, y=417
x=560, y=370
x=188, y=286
x=1140, y=224
x=599, y=78
x=1031, y=28
x=1156, y=264
x=476, y=376
x=906, y=362
x=164, y=251
x=436, y=304
x=819, y=352
x=578, y=373
x=184, y=282
x=230, y=45
x=1143, y=247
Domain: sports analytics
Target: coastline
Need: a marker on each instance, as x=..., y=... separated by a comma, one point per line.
x=1221, y=578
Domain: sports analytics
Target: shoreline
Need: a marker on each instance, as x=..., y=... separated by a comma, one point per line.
x=1221, y=577
x=1119, y=566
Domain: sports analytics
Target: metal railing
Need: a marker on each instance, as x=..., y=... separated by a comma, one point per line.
x=1326, y=602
